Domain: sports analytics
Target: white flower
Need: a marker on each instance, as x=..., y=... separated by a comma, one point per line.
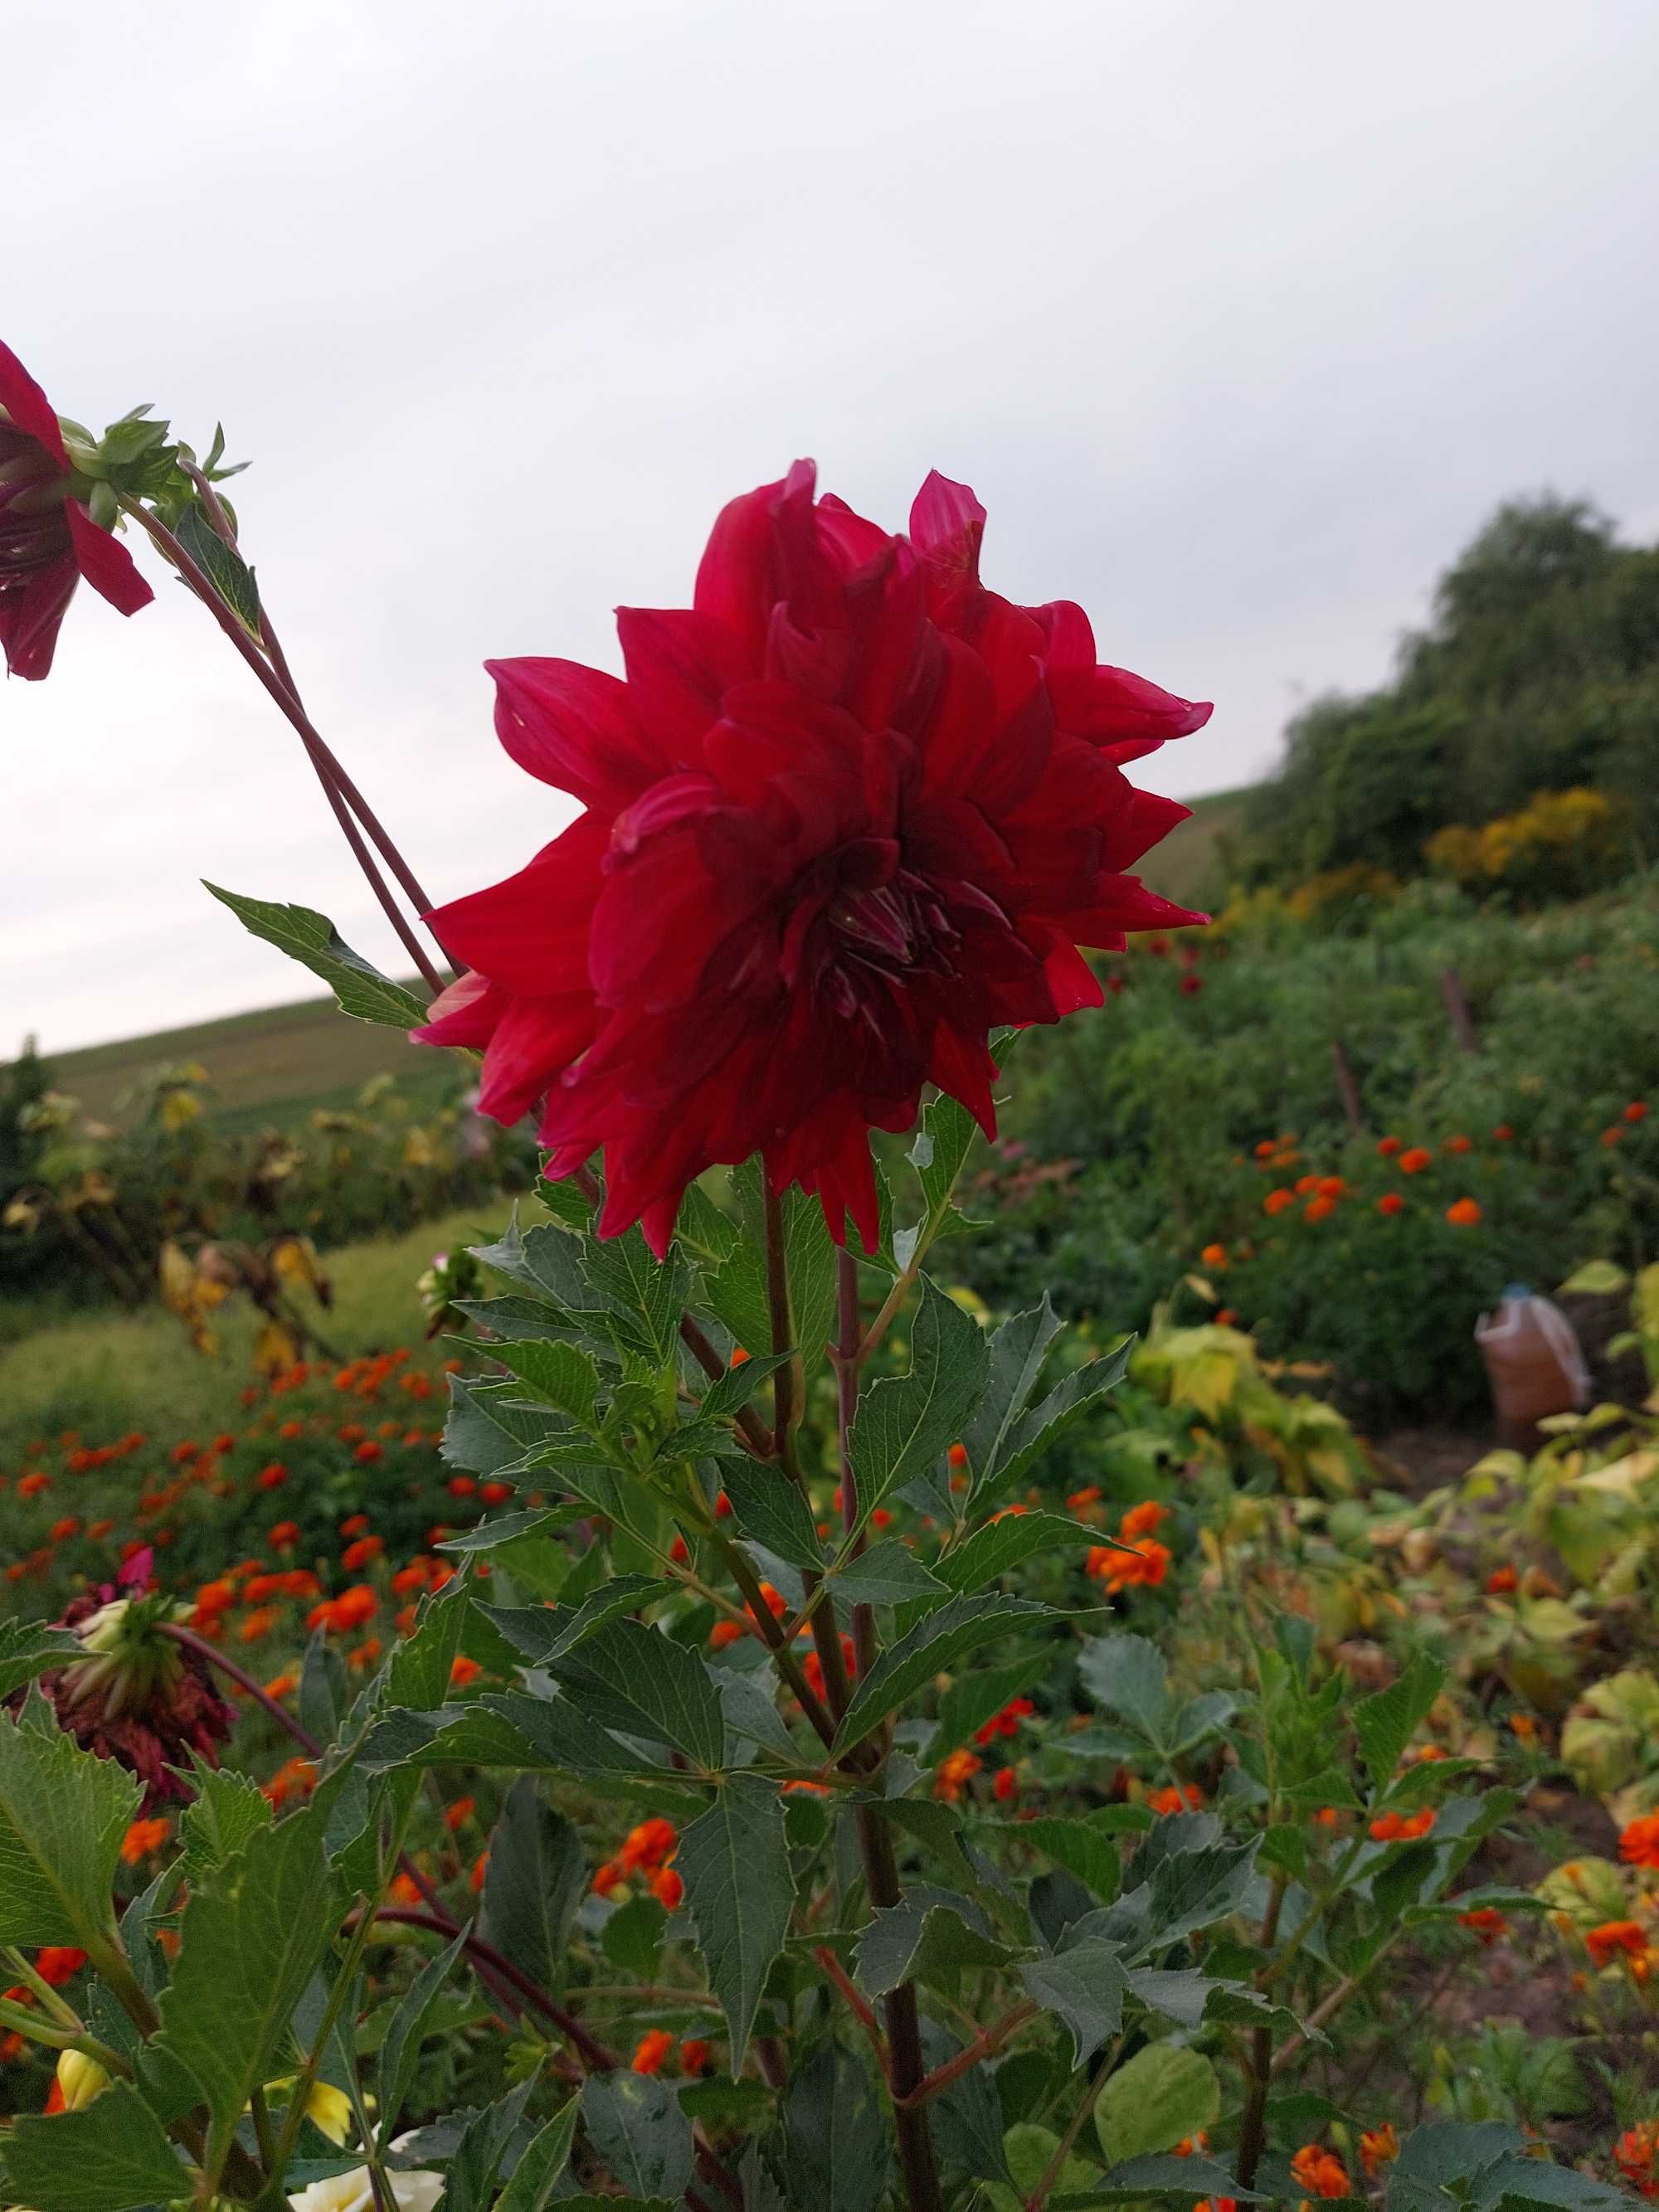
x=417, y=2190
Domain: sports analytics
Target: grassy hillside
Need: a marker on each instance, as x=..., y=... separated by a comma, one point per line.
x=1189, y=865
x=276, y=1064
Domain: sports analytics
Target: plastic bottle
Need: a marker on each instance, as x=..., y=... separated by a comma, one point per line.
x=1534, y=1364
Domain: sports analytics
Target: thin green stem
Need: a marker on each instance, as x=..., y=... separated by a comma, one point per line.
x=1056, y=2166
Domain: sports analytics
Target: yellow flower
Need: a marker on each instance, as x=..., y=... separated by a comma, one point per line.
x=80, y=2078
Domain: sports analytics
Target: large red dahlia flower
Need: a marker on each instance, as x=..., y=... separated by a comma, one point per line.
x=48, y=541
x=845, y=816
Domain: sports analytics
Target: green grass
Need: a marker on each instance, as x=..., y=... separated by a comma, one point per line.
x=107, y=1374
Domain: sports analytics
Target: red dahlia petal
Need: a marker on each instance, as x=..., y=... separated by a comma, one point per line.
x=679, y=664
x=30, y=617
x=106, y=562
x=29, y=407
x=576, y=728
x=531, y=932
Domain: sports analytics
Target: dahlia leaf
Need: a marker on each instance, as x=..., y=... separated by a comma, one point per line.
x=836, y=2145
x=520, y=1734
x=1159, y=2097
x=29, y=1648
x=1080, y=1848
x=359, y=988
x=411, y=2024
x=250, y=1939
x=225, y=1812
x=904, y=1423
x=560, y=1374
x=1001, y=1545
x=1126, y=1675
x=644, y=1297
x=541, y=1632
x=636, y=2126
x=729, y=1394
x=769, y=1507
x=630, y=1677
x=418, y=1671
x=1018, y=1352
x=1083, y=1987
x=543, y=2161
x=929, y=1937
x=738, y=1290
x=489, y=1428
x=64, y=1814
x=887, y=1574
x=935, y=1642
x=735, y=1864
x=1045, y=1423
x=109, y=2156
x=221, y=564
x=1386, y=1721
x=939, y=1152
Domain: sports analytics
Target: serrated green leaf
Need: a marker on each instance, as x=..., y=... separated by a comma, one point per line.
x=108, y=2157
x=769, y=1507
x=935, y=1642
x=413, y=2019
x=1083, y=1986
x=1078, y=1846
x=325, y=1690
x=359, y=988
x=836, y=2153
x=418, y=1671
x=1043, y=1424
x=523, y=1734
x=250, y=1939
x=64, y=1814
x=541, y=1632
x=635, y=2122
x=630, y=1677
x=559, y=1374
x=644, y=1293
x=1018, y=1352
x=1001, y=1545
x=534, y=1878
x=29, y=1648
x=1386, y=1721
x=225, y=1812
x=737, y=1290
x=735, y=1865
x=906, y=1422
x=1193, y=1889
x=502, y=1528
x=544, y=2159
x=221, y=564
x=484, y=1434
x=730, y=1392
x=1126, y=1675
x=887, y=1573
x=1140, y=2179
x=922, y=1940
x=1162, y=2096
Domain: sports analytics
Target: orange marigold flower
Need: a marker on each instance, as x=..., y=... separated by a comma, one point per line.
x=1320, y=1208
x=1277, y=1201
x=1142, y=1563
x=272, y=1477
x=1486, y=1922
x=695, y=2056
x=1395, y=1828
x=1414, y=1161
x=1005, y=1787
x=462, y=1670
x=1635, y=2154
x=1319, y=2172
x=284, y=1685
x=1378, y=2146
x=1524, y=1726
x=1636, y=1110
x=1503, y=1132
x=458, y=1815
x=1306, y=1185
x=1463, y=1212
x=667, y=1887
x=1142, y=1520
x=1391, y=1203
x=368, y=1452
x=31, y=1484
x=1185, y=1797
x=355, y=1526
x=1615, y=1938
x=654, y=2046
x=258, y=1624
x=725, y=1632
x=1458, y=1145
x=480, y=1871
x=1191, y=2146
x=1214, y=1255
x=955, y=1771
x=496, y=1493
x=404, y=1890
x=1638, y=1841
x=958, y=1454
x=358, y=1554
x=1388, y=1148
x=1501, y=1581
x=607, y=1878
x=1613, y=1136
x=461, y=1485
x=649, y=1846
x=285, y=1533
x=1266, y=1148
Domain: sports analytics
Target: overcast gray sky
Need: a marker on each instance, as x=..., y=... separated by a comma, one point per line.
x=1239, y=319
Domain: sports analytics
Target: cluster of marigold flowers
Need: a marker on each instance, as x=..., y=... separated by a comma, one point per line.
x=1137, y=1560
x=645, y=1857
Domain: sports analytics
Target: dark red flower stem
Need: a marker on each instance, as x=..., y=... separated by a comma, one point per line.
x=342, y=791
x=856, y=2003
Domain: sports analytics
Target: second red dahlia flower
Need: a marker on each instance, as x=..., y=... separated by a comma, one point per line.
x=845, y=816
x=48, y=540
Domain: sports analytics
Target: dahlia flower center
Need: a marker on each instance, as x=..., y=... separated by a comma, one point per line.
x=872, y=935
